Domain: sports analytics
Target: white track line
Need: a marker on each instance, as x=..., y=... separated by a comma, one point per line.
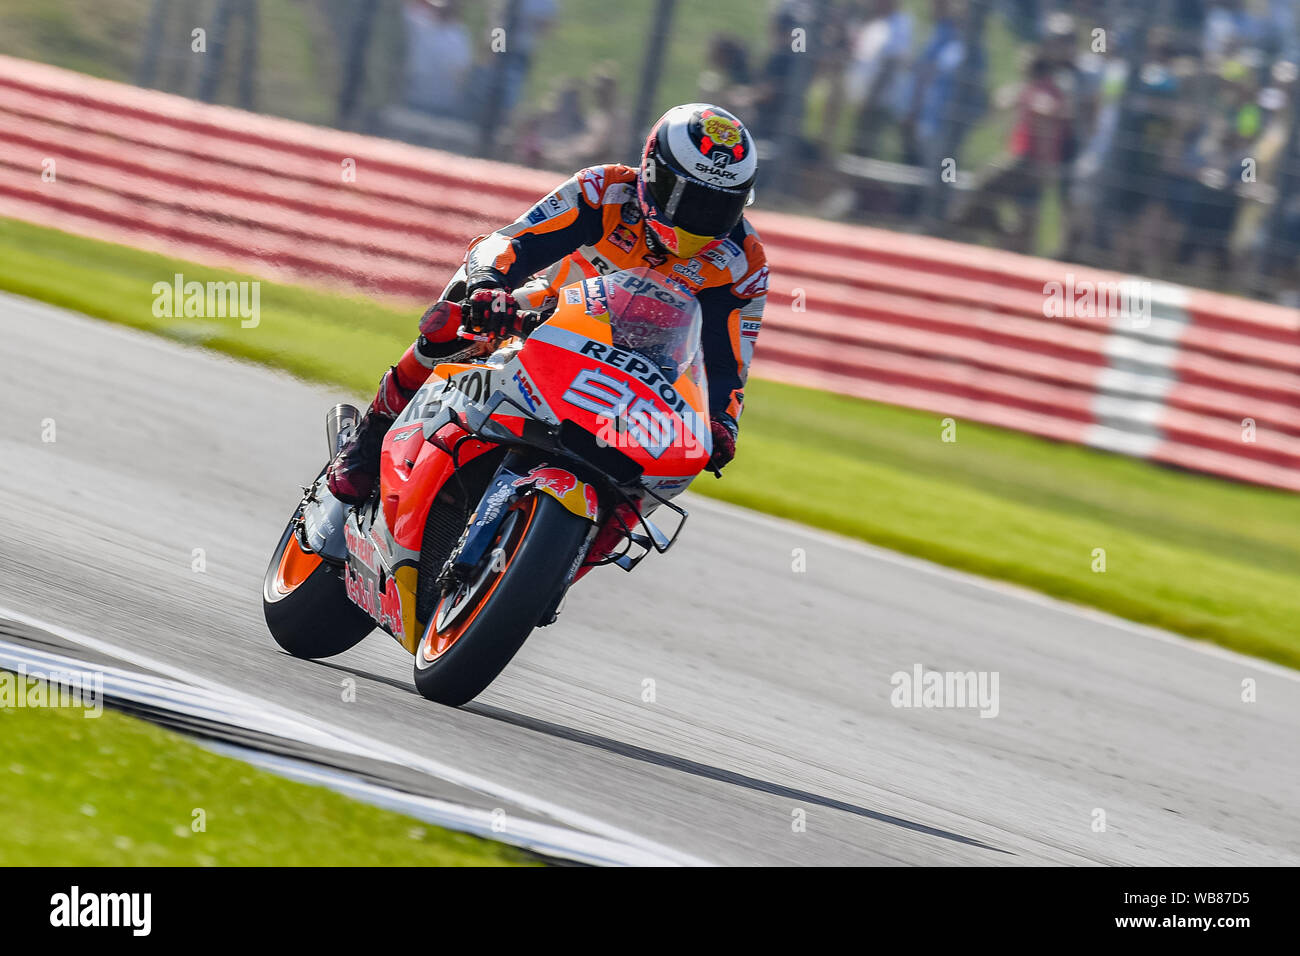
x=1004, y=588
x=545, y=838
x=351, y=741
x=163, y=694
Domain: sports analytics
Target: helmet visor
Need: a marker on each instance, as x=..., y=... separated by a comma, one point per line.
x=696, y=207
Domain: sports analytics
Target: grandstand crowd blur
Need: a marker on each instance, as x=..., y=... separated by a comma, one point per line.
x=1158, y=138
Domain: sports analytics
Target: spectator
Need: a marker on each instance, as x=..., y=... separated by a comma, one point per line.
x=771, y=99
x=1079, y=73
x=879, y=50
x=561, y=120
x=1137, y=216
x=1034, y=158
x=1206, y=192
x=1077, y=76
x=438, y=56
x=726, y=81
x=833, y=43
x=1086, y=186
x=932, y=88
x=1228, y=26
x=533, y=19
x=1252, y=230
x=604, y=131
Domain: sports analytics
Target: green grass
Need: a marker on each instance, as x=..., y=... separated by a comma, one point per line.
x=315, y=335
x=1204, y=557
x=616, y=35
x=114, y=791
x=1207, y=558
x=297, y=63
x=90, y=36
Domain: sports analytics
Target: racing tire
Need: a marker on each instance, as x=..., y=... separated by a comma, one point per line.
x=474, y=632
x=306, y=607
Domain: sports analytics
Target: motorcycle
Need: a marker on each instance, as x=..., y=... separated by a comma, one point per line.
x=503, y=483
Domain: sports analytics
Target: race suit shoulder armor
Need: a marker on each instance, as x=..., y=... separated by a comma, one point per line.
x=591, y=225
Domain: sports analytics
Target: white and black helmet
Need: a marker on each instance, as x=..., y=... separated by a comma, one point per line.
x=697, y=176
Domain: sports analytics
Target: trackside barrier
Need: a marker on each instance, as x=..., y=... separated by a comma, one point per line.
x=1181, y=376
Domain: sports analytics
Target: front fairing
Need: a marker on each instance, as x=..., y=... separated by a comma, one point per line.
x=570, y=370
x=567, y=370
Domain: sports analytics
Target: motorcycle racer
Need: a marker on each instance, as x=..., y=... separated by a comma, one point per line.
x=680, y=213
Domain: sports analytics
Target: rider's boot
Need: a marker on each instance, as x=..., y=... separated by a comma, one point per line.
x=352, y=474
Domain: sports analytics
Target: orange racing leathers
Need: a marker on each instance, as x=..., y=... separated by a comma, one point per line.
x=592, y=225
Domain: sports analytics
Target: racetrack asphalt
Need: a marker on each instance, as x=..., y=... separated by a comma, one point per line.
x=717, y=701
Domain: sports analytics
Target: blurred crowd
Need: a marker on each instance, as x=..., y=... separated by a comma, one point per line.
x=1156, y=138
x=582, y=122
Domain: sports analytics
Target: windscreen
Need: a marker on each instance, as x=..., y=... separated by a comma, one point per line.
x=651, y=316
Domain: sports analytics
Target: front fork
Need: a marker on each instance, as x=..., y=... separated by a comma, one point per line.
x=514, y=478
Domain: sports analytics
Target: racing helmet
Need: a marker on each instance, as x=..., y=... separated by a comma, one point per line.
x=697, y=177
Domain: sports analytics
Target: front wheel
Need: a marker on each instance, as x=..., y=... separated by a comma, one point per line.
x=306, y=607
x=475, y=630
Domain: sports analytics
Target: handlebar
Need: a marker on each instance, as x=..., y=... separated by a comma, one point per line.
x=526, y=322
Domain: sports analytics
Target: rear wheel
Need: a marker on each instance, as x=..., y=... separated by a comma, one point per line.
x=306, y=607
x=476, y=630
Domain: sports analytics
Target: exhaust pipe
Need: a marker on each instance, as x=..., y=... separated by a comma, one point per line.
x=340, y=424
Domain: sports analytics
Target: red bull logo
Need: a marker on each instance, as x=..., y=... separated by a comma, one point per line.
x=390, y=609
x=384, y=606
x=556, y=480
x=563, y=485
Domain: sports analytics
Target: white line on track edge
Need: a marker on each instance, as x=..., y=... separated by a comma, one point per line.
x=370, y=746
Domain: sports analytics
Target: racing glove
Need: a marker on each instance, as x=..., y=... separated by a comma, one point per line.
x=492, y=311
x=724, y=433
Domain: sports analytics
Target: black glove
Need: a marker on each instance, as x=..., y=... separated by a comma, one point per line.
x=491, y=310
